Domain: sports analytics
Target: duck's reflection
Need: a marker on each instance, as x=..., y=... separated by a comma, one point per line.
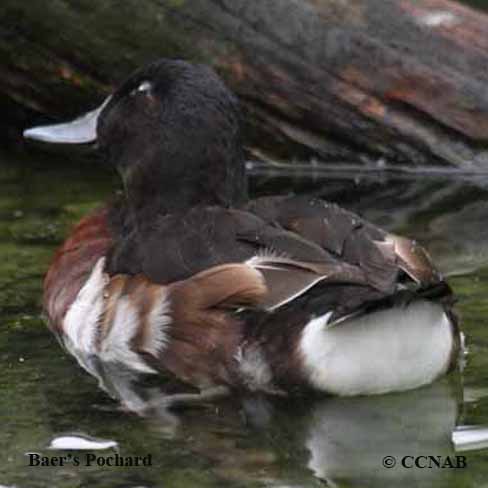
x=342, y=441
x=360, y=439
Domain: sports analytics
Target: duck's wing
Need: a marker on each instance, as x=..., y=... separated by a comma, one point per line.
x=296, y=244
x=366, y=265
x=350, y=238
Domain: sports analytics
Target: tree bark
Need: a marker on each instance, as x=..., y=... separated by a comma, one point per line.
x=396, y=81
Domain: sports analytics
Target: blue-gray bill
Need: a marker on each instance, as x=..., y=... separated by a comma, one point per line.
x=81, y=130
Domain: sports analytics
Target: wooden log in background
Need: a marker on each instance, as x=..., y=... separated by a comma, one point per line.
x=404, y=81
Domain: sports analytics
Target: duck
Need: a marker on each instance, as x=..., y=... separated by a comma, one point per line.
x=185, y=275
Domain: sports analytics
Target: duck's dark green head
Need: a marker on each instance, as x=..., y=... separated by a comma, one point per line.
x=172, y=130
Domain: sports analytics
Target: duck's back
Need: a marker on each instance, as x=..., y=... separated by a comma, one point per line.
x=309, y=242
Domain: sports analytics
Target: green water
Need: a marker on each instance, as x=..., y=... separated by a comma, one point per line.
x=480, y=4
x=254, y=442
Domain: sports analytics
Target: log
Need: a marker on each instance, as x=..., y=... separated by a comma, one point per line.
x=393, y=81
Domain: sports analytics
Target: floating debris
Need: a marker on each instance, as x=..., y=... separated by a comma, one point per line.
x=439, y=18
x=81, y=442
x=470, y=438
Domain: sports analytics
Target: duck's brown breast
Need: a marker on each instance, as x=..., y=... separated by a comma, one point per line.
x=73, y=263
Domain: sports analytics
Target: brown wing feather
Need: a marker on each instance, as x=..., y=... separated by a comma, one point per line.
x=287, y=278
x=414, y=260
x=381, y=256
x=225, y=286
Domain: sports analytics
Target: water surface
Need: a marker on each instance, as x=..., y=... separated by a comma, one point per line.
x=250, y=442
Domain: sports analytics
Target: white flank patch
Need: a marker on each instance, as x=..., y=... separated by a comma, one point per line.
x=81, y=321
x=116, y=345
x=439, y=18
x=159, y=319
x=389, y=350
x=254, y=368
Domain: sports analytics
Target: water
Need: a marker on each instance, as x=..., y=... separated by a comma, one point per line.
x=479, y=4
x=254, y=442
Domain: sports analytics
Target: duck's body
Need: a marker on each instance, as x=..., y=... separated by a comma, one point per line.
x=277, y=294
x=193, y=327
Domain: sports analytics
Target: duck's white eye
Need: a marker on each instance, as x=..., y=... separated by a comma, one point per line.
x=144, y=87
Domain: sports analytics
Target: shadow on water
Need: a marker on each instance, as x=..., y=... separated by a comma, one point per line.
x=247, y=441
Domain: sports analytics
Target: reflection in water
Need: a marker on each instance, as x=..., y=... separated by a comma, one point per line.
x=345, y=439
x=349, y=438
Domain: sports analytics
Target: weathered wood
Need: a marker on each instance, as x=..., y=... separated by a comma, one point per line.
x=396, y=80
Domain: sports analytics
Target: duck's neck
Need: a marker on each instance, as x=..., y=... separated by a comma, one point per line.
x=153, y=190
